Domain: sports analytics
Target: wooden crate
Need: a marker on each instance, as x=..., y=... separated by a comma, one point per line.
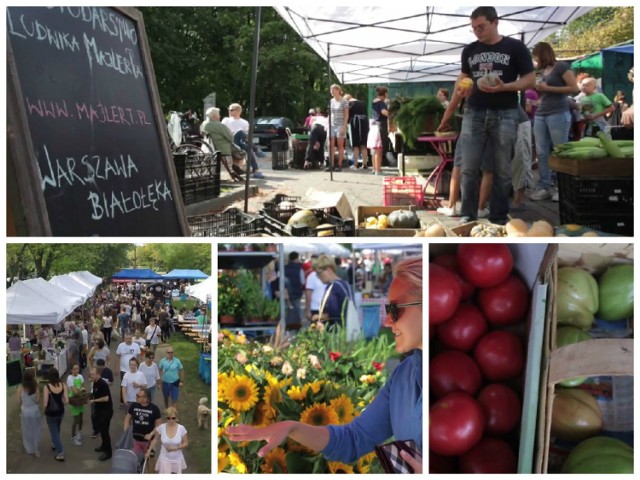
x=373, y=211
x=593, y=167
x=597, y=357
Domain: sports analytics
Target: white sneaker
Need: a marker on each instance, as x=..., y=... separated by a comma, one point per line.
x=76, y=441
x=555, y=197
x=483, y=213
x=541, y=194
x=79, y=436
x=448, y=211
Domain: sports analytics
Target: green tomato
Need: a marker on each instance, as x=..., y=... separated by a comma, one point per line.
x=600, y=455
x=577, y=297
x=567, y=336
x=616, y=293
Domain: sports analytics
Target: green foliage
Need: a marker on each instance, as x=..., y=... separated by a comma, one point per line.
x=413, y=114
x=200, y=50
x=254, y=302
x=598, y=29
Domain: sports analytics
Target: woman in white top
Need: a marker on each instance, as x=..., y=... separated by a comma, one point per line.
x=100, y=351
x=107, y=327
x=173, y=438
x=151, y=373
x=152, y=333
x=132, y=382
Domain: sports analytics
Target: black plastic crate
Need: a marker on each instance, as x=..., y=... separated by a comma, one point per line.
x=272, y=210
x=233, y=222
x=596, y=194
x=198, y=176
x=299, y=152
x=194, y=191
x=617, y=223
x=279, y=154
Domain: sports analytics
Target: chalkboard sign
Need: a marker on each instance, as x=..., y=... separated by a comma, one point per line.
x=87, y=143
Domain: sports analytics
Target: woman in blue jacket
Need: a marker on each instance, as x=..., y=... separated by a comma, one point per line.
x=397, y=409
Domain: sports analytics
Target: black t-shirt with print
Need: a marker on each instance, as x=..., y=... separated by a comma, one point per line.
x=100, y=390
x=509, y=58
x=143, y=419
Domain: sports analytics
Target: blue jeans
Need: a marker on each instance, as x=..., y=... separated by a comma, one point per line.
x=152, y=390
x=240, y=139
x=549, y=131
x=54, y=424
x=480, y=129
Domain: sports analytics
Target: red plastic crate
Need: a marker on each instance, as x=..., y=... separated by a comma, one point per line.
x=402, y=191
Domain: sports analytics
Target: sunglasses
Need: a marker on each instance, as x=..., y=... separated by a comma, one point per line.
x=169, y=352
x=393, y=309
x=171, y=418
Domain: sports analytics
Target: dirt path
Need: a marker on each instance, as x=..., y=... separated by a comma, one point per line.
x=82, y=459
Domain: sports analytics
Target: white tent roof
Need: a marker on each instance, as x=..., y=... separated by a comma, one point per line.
x=406, y=43
x=318, y=248
x=202, y=290
x=87, y=278
x=73, y=285
x=26, y=305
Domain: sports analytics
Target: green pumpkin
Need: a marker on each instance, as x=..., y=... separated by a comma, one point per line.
x=616, y=293
x=600, y=455
x=567, y=336
x=403, y=219
x=576, y=297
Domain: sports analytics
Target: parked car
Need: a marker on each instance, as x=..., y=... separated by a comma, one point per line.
x=266, y=129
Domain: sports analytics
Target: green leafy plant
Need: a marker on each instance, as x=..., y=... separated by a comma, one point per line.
x=414, y=114
x=228, y=296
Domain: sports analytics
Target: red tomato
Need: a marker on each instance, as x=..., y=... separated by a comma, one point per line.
x=453, y=371
x=505, y=303
x=456, y=424
x=500, y=356
x=490, y=455
x=463, y=330
x=484, y=264
x=450, y=262
x=441, y=464
x=501, y=407
x=444, y=294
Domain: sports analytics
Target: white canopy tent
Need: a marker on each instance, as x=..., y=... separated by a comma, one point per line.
x=87, y=278
x=408, y=43
x=71, y=284
x=26, y=306
x=318, y=248
x=203, y=290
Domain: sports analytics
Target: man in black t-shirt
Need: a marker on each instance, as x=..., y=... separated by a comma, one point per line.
x=145, y=417
x=491, y=116
x=102, y=412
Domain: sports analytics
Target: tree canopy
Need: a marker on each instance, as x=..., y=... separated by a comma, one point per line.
x=200, y=50
x=31, y=260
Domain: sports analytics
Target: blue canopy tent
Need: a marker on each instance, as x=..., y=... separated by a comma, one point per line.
x=141, y=274
x=616, y=62
x=178, y=274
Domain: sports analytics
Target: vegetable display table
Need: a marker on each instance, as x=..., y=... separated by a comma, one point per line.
x=445, y=146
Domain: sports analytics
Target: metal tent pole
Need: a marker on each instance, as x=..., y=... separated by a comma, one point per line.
x=252, y=104
x=329, y=133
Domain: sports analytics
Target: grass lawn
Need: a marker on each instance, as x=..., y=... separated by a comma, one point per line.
x=188, y=304
x=194, y=388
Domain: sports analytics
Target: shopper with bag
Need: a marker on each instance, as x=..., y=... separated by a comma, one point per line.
x=55, y=398
x=152, y=335
x=397, y=409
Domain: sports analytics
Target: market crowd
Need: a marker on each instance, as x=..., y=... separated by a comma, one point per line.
x=135, y=321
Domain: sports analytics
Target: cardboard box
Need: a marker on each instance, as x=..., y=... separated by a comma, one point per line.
x=464, y=230
x=600, y=357
x=373, y=211
x=317, y=199
x=534, y=264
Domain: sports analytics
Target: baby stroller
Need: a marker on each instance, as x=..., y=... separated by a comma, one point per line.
x=124, y=459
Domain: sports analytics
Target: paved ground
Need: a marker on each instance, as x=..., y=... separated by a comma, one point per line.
x=82, y=459
x=360, y=187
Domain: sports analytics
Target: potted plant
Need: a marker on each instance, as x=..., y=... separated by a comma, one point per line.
x=228, y=299
x=252, y=296
x=417, y=116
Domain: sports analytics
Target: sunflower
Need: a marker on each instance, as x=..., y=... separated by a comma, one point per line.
x=339, y=467
x=223, y=461
x=293, y=446
x=315, y=386
x=222, y=382
x=272, y=395
x=275, y=457
x=261, y=415
x=295, y=393
x=241, y=393
x=343, y=406
x=319, y=414
x=237, y=462
x=364, y=462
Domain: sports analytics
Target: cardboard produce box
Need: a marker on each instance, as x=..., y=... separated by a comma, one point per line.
x=373, y=211
x=533, y=263
x=608, y=362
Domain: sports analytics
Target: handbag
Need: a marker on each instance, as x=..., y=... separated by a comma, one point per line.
x=54, y=407
x=390, y=459
x=350, y=318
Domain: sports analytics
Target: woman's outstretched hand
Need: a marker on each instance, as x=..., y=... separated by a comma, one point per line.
x=274, y=434
x=414, y=462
